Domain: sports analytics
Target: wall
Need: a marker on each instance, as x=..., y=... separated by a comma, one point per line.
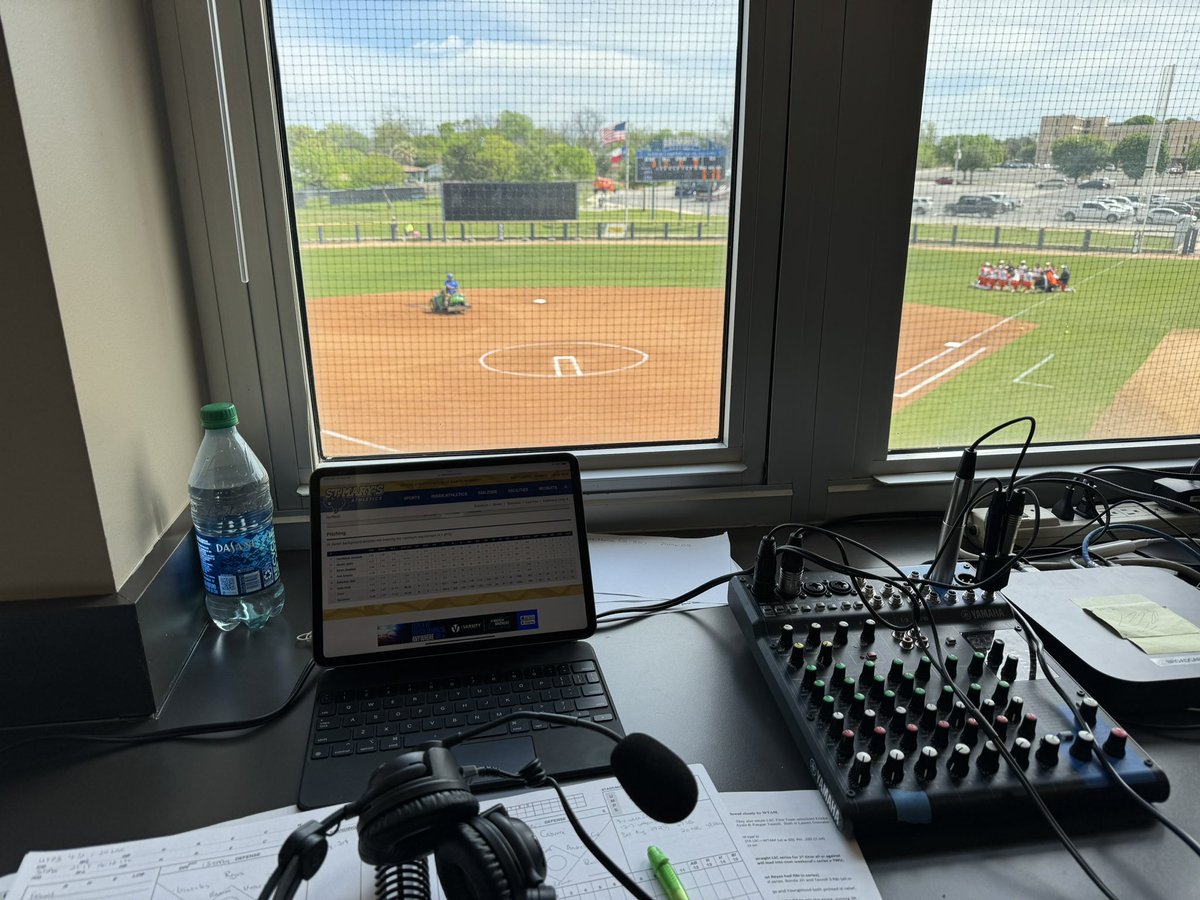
x=87, y=86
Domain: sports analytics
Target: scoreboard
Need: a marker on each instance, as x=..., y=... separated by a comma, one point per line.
x=682, y=164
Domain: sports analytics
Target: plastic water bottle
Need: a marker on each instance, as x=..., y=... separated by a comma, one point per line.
x=231, y=512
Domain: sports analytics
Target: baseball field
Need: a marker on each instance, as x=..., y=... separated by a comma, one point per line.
x=627, y=346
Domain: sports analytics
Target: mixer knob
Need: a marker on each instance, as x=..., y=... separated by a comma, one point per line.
x=1047, y=751
x=960, y=761
x=929, y=717
x=951, y=665
x=917, y=701
x=1081, y=747
x=958, y=714
x=866, y=724
x=825, y=654
x=1009, y=672
x=970, y=733
x=868, y=632
x=814, y=634
x=1000, y=723
x=996, y=653
x=796, y=660
x=817, y=692
x=945, y=701
x=848, y=688
x=878, y=741
x=1020, y=752
x=826, y=711
x=841, y=634
x=907, y=683
x=1015, y=705
x=860, y=770
x=989, y=759
x=887, y=705
x=809, y=676
x=1087, y=711
x=908, y=740
x=974, y=691
x=845, y=747
x=877, y=687
x=1114, y=744
x=1028, y=727
x=896, y=672
x=858, y=703
x=926, y=767
x=837, y=724
x=975, y=667
x=1000, y=694
x=988, y=709
x=923, y=668
x=941, y=735
x=785, y=637
x=899, y=715
x=867, y=676
x=893, y=768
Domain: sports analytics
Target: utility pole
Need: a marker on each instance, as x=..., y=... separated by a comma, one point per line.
x=1157, y=132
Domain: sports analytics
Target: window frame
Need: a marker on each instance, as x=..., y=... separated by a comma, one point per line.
x=811, y=363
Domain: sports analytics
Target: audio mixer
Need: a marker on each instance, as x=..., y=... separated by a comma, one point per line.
x=886, y=739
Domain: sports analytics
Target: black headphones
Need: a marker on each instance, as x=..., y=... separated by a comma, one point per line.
x=416, y=804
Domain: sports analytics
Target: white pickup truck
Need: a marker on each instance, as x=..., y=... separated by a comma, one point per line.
x=1094, y=211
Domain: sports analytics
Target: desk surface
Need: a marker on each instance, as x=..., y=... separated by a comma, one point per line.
x=710, y=706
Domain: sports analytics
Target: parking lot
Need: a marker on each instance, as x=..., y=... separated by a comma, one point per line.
x=1040, y=207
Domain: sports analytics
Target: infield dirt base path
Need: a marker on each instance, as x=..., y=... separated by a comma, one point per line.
x=1162, y=397
x=589, y=366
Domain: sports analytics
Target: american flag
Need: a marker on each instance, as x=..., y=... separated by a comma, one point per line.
x=612, y=135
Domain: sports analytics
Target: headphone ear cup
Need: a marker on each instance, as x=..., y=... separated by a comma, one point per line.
x=493, y=856
x=408, y=803
x=467, y=866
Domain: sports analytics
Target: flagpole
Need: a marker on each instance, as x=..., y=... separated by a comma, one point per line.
x=627, y=154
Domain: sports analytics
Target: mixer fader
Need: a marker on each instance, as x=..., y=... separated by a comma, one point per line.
x=886, y=736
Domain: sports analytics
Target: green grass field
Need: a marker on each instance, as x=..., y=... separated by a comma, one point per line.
x=1099, y=335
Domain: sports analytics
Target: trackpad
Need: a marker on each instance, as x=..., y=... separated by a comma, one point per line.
x=510, y=754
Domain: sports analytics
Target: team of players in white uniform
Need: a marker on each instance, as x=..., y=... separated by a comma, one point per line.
x=1023, y=278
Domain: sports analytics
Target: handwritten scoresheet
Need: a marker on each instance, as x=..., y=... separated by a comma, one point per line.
x=233, y=861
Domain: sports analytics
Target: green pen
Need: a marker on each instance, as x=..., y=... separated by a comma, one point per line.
x=665, y=874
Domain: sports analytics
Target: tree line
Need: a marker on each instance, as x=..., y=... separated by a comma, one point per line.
x=510, y=148
x=1076, y=157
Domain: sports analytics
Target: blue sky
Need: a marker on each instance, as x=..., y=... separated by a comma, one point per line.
x=995, y=66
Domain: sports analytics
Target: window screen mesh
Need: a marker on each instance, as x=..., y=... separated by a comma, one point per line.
x=513, y=218
x=1052, y=267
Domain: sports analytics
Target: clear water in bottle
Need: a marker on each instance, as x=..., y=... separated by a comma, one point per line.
x=232, y=516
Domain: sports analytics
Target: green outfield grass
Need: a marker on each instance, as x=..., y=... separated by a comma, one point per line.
x=1099, y=335
x=1020, y=237
x=342, y=271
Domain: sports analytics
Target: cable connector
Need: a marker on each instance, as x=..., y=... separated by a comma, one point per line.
x=763, y=585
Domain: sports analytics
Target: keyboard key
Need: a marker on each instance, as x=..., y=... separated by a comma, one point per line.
x=602, y=717
x=570, y=692
x=362, y=732
x=345, y=749
x=366, y=746
x=326, y=710
x=432, y=724
x=583, y=665
x=327, y=724
x=386, y=729
x=593, y=677
x=593, y=690
x=345, y=709
x=539, y=725
x=391, y=743
x=331, y=737
x=374, y=718
x=319, y=753
x=591, y=702
x=564, y=706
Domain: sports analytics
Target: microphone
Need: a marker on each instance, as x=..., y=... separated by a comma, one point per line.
x=656, y=780
x=999, y=535
x=950, y=538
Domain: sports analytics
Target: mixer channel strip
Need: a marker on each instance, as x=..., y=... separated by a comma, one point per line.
x=887, y=740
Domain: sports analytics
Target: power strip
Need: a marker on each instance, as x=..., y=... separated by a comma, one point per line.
x=1052, y=529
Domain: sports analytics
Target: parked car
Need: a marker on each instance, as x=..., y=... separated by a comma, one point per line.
x=1094, y=211
x=1163, y=216
x=1053, y=183
x=1006, y=202
x=1096, y=184
x=1178, y=205
x=973, y=205
x=1175, y=169
x=1014, y=164
x=922, y=205
x=944, y=179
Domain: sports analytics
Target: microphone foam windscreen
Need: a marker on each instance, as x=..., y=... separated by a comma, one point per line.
x=657, y=780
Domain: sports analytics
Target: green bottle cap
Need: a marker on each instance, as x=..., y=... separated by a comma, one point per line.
x=218, y=415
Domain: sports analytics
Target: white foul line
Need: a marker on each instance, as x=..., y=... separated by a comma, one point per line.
x=978, y=334
x=945, y=371
x=346, y=437
x=574, y=364
x=1032, y=369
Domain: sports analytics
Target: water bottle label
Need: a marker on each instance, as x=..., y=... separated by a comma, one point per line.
x=233, y=566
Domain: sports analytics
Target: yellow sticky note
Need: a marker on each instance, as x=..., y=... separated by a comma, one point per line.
x=1153, y=627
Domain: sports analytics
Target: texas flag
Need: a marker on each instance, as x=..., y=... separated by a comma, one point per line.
x=618, y=154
